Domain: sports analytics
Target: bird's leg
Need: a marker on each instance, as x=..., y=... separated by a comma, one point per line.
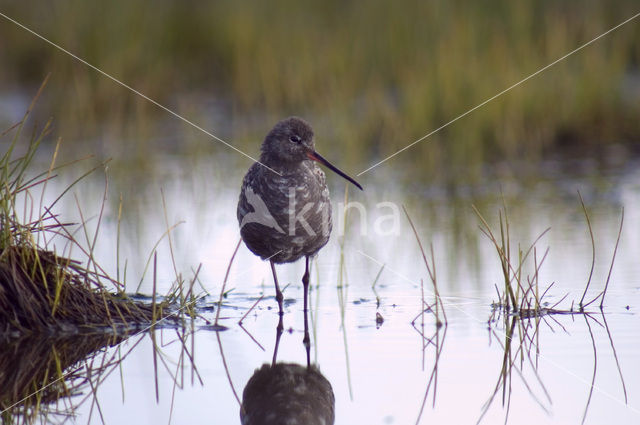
x=279, y=329
x=306, y=341
x=305, y=284
x=279, y=296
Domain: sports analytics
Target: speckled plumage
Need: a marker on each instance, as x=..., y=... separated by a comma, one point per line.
x=284, y=210
x=301, y=182
x=298, y=235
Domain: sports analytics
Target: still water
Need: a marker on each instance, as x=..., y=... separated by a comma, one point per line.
x=386, y=360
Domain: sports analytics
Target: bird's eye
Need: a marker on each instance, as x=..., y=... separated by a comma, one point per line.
x=295, y=138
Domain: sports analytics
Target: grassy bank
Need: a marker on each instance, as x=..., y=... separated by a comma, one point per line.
x=43, y=288
x=372, y=78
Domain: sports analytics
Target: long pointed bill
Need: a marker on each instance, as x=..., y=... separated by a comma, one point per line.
x=315, y=156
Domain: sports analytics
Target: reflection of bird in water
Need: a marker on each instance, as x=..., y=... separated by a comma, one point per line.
x=296, y=219
x=287, y=394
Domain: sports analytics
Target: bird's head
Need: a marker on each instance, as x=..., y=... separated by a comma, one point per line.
x=290, y=142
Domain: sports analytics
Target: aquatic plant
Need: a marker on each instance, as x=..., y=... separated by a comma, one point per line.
x=42, y=290
x=522, y=293
x=437, y=306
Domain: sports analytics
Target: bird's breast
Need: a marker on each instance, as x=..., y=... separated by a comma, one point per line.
x=290, y=213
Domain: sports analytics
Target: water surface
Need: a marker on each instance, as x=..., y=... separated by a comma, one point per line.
x=380, y=372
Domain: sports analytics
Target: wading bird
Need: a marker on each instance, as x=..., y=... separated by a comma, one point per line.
x=284, y=209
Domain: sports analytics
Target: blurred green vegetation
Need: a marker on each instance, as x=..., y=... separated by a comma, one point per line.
x=370, y=76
